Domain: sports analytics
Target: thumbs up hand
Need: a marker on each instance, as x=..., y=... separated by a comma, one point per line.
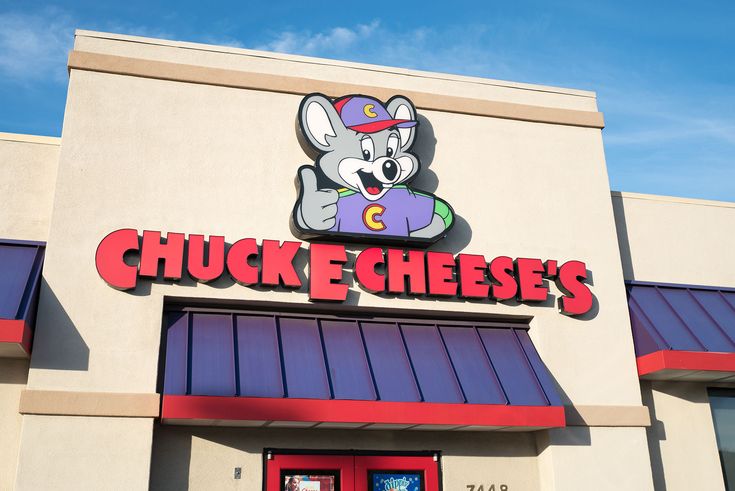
x=317, y=208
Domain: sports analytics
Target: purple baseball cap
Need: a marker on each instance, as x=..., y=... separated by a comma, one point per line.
x=367, y=115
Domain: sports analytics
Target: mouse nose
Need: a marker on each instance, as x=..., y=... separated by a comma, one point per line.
x=390, y=169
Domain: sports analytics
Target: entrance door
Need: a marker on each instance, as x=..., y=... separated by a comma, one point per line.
x=351, y=473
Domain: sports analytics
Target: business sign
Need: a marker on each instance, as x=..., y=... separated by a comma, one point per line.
x=388, y=271
x=359, y=188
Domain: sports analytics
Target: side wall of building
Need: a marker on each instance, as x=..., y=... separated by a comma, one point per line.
x=675, y=240
x=28, y=166
x=687, y=241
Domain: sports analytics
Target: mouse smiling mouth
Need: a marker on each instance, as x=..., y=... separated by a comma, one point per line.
x=369, y=182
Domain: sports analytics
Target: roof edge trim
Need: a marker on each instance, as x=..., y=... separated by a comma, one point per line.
x=196, y=74
x=275, y=55
x=23, y=138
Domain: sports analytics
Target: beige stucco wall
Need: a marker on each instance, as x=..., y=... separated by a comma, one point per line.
x=84, y=453
x=566, y=462
x=177, y=157
x=27, y=179
x=13, y=377
x=205, y=458
x=676, y=240
x=682, y=438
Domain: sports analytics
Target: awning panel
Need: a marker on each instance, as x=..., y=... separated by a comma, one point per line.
x=683, y=332
x=472, y=365
x=299, y=367
x=20, y=278
x=258, y=356
x=348, y=365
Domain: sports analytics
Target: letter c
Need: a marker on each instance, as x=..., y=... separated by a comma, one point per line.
x=368, y=110
x=110, y=262
x=372, y=217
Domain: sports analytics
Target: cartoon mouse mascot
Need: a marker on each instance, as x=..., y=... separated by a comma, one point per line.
x=358, y=188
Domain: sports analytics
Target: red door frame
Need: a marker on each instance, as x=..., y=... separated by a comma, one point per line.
x=353, y=469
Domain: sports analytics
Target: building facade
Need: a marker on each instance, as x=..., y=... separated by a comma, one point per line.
x=189, y=302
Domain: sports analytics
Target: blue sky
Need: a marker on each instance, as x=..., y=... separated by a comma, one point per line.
x=663, y=71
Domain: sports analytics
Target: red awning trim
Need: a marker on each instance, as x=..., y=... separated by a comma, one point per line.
x=686, y=361
x=177, y=407
x=18, y=333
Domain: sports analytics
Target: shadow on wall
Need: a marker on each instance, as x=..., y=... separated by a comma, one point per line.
x=460, y=235
x=63, y=347
x=172, y=448
x=13, y=371
x=568, y=436
x=623, y=242
x=655, y=434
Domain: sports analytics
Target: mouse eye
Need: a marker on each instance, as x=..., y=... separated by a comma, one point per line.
x=392, y=145
x=368, y=149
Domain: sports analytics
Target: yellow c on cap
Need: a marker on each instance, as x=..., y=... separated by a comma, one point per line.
x=368, y=110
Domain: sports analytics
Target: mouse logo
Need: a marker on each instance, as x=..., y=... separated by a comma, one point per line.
x=358, y=188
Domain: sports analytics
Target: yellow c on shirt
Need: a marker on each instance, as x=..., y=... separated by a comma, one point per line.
x=372, y=217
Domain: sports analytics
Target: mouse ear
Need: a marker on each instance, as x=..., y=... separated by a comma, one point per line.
x=401, y=108
x=319, y=121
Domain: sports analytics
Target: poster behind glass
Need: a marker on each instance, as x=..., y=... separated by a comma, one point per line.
x=297, y=481
x=396, y=481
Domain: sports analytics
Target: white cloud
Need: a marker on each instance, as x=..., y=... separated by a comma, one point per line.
x=138, y=30
x=335, y=40
x=35, y=46
x=465, y=50
x=223, y=41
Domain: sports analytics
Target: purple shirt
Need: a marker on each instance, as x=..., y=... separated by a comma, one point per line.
x=398, y=212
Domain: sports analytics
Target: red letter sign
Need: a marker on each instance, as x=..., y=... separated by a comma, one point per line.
x=172, y=254
x=412, y=268
x=215, y=259
x=237, y=261
x=472, y=275
x=578, y=297
x=277, y=264
x=365, y=273
x=530, y=279
x=109, y=259
x=440, y=267
x=501, y=270
x=325, y=272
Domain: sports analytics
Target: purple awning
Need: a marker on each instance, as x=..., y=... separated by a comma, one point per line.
x=683, y=332
x=20, y=278
x=267, y=355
